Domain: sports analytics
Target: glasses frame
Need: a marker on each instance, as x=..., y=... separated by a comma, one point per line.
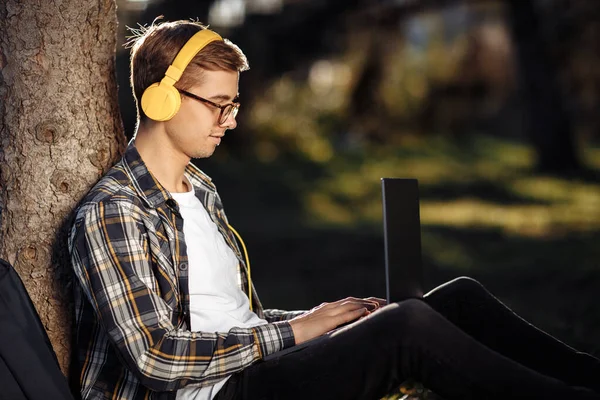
x=234, y=106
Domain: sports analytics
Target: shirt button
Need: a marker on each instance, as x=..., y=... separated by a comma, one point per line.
x=183, y=266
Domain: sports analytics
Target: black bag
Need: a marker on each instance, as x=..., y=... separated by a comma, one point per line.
x=28, y=366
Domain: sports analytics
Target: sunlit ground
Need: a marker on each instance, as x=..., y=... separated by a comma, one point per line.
x=481, y=183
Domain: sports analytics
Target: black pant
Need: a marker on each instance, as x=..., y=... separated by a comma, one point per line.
x=459, y=341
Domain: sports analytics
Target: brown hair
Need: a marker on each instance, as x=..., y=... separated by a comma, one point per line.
x=155, y=47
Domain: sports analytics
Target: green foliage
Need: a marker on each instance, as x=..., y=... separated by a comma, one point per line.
x=480, y=183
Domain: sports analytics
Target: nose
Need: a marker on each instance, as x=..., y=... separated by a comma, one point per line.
x=230, y=122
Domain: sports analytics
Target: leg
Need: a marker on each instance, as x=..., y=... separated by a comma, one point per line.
x=371, y=357
x=467, y=304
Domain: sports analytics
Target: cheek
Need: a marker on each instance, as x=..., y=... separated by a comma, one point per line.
x=183, y=121
x=195, y=118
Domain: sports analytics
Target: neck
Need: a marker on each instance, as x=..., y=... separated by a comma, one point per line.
x=161, y=158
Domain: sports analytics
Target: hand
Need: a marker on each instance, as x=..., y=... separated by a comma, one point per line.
x=328, y=316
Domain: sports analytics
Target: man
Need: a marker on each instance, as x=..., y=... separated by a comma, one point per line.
x=163, y=307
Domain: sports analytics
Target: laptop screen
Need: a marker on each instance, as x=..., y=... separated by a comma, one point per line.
x=402, y=238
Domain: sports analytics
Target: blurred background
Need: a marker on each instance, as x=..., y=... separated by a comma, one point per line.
x=494, y=105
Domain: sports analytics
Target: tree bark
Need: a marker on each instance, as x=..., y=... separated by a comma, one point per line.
x=60, y=129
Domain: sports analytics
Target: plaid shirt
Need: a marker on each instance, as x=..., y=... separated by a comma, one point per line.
x=132, y=303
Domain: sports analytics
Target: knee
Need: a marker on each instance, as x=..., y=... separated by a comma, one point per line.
x=463, y=285
x=412, y=308
x=412, y=317
x=398, y=325
x=466, y=283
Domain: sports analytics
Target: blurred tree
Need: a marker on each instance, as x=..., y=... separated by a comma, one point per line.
x=299, y=33
x=550, y=126
x=59, y=130
x=573, y=28
x=366, y=111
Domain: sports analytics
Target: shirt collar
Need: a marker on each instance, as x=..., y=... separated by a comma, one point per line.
x=148, y=187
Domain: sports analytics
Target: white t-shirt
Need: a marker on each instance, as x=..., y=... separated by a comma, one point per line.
x=217, y=302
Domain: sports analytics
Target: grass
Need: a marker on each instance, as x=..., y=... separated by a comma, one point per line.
x=485, y=183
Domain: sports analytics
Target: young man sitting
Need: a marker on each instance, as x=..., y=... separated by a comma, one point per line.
x=164, y=309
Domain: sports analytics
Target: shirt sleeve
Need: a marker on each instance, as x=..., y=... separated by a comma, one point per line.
x=112, y=263
x=275, y=315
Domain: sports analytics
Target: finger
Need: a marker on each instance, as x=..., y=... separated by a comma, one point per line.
x=371, y=305
x=352, y=306
x=346, y=299
x=377, y=300
x=356, y=303
x=351, y=303
x=329, y=310
x=380, y=301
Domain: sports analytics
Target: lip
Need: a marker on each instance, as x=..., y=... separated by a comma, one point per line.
x=217, y=138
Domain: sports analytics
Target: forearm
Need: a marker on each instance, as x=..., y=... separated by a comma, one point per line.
x=165, y=358
x=184, y=358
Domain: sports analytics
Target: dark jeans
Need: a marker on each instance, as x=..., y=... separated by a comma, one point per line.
x=459, y=341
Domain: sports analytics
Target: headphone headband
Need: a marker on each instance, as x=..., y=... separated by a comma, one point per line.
x=161, y=101
x=189, y=51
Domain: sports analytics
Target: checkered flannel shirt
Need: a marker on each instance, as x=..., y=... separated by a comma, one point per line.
x=133, y=337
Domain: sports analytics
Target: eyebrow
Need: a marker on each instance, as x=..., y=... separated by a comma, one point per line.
x=223, y=97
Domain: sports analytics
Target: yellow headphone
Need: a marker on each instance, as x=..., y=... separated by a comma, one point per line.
x=161, y=101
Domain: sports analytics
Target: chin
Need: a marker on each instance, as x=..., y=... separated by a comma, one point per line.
x=202, y=154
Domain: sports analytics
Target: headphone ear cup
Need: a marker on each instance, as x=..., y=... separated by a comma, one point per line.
x=160, y=102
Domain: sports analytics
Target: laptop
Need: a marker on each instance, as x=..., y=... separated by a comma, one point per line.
x=402, y=246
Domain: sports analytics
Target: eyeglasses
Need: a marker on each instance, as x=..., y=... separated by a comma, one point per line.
x=226, y=109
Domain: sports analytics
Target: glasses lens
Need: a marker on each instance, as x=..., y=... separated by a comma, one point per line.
x=229, y=109
x=225, y=114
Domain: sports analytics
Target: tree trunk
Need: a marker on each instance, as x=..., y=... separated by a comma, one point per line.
x=60, y=129
x=549, y=123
